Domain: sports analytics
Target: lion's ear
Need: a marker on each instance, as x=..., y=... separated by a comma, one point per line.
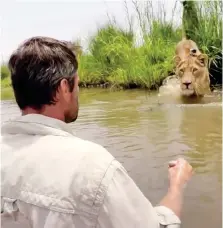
x=203, y=59
x=176, y=59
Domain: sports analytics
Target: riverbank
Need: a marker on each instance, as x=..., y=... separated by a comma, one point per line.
x=7, y=91
x=115, y=60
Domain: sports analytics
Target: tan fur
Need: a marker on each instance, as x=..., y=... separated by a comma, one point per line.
x=192, y=68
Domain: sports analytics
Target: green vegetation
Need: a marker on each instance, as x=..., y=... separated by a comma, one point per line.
x=116, y=60
x=202, y=22
x=6, y=90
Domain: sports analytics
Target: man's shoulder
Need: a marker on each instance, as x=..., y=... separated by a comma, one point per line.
x=75, y=151
x=74, y=144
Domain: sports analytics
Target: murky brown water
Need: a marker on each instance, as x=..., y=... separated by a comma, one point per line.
x=144, y=132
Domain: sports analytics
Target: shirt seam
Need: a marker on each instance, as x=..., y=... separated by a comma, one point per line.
x=113, y=169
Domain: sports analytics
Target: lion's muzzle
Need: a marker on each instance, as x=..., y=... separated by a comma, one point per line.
x=187, y=88
x=187, y=85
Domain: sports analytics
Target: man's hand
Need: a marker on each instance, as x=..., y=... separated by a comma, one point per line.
x=180, y=172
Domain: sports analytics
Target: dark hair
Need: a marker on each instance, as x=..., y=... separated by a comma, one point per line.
x=37, y=67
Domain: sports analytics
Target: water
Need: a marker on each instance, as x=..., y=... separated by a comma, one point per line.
x=145, y=131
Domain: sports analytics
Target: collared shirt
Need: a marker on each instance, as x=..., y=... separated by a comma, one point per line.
x=52, y=178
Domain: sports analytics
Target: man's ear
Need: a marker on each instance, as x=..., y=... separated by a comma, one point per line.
x=63, y=87
x=203, y=59
x=176, y=60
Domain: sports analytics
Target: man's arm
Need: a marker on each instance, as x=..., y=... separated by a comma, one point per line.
x=173, y=200
x=125, y=206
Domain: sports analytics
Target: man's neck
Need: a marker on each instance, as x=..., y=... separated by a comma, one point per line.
x=50, y=111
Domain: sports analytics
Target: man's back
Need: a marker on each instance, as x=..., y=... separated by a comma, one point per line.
x=50, y=178
x=61, y=177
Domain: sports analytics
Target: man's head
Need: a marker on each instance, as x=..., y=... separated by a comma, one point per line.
x=44, y=78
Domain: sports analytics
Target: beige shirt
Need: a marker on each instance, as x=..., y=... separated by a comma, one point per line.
x=51, y=178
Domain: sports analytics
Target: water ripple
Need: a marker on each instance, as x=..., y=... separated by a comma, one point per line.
x=144, y=134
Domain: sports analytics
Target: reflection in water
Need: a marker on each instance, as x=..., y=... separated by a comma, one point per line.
x=144, y=131
x=199, y=128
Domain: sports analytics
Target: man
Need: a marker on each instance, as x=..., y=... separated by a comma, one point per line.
x=52, y=178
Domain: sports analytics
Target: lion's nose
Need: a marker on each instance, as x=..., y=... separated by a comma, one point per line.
x=187, y=84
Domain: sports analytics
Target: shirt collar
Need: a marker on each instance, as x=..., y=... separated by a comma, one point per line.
x=36, y=124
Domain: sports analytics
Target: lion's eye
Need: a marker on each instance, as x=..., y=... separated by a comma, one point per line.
x=181, y=71
x=195, y=70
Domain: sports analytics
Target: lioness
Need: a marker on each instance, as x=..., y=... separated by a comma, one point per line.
x=192, y=69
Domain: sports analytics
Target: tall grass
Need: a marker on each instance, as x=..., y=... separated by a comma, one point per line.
x=116, y=56
x=203, y=23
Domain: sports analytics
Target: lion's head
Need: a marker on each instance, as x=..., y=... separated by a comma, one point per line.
x=193, y=74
